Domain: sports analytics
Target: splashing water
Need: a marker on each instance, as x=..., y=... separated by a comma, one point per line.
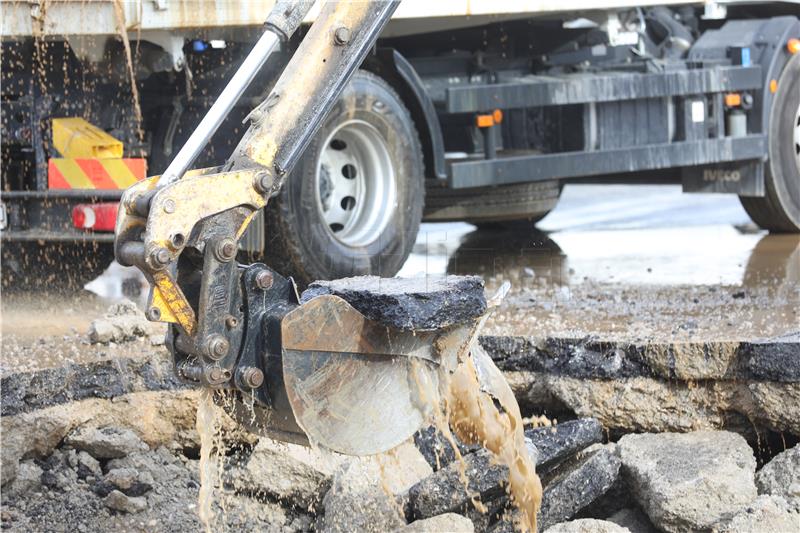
x=476, y=402
x=477, y=419
x=209, y=466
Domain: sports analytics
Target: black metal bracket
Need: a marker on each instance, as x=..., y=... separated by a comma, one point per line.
x=542, y=167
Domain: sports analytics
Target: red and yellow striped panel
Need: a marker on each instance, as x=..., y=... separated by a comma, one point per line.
x=95, y=173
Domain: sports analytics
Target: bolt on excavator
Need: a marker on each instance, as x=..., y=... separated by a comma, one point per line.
x=349, y=365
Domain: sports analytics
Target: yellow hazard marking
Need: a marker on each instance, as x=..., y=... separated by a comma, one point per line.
x=174, y=301
x=104, y=174
x=73, y=174
x=119, y=173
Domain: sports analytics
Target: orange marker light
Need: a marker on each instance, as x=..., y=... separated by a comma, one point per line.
x=793, y=45
x=497, y=115
x=773, y=86
x=484, y=121
x=733, y=99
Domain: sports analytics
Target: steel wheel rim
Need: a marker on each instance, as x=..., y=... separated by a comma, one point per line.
x=797, y=137
x=356, y=189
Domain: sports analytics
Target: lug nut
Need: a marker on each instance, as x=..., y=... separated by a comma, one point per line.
x=225, y=250
x=215, y=375
x=153, y=314
x=341, y=35
x=217, y=347
x=251, y=377
x=263, y=182
x=264, y=280
x=159, y=258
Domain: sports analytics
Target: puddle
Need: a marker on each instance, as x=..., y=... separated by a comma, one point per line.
x=643, y=262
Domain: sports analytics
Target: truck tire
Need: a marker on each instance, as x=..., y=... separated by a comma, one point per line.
x=779, y=209
x=353, y=204
x=501, y=206
x=54, y=267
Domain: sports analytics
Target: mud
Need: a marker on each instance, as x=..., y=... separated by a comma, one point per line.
x=476, y=419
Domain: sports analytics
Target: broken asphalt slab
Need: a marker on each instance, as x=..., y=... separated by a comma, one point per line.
x=776, y=359
x=444, y=491
x=28, y=391
x=409, y=303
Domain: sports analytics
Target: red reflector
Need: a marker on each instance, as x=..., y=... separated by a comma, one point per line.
x=95, y=217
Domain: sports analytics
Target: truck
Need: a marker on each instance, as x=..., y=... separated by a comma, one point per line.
x=476, y=111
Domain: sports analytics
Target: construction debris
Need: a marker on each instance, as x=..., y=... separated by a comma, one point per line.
x=407, y=303
x=124, y=321
x=578, y=486
x=781, y=476
x=586, y=525
x=106, y=442
x=657, y=387
x=450, y=522
x=689, y=481
x=111, y=442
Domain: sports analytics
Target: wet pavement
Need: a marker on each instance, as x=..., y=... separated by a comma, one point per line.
x=624, y=261
x=629, y=262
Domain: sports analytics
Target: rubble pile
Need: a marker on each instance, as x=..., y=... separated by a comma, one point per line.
x=130, y=462
x=651, y=438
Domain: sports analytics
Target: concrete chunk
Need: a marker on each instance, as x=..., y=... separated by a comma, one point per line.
x=106, y=442
x=781, y=476
x=766, y=513
x=689, y=481
x=587, y=525
x=289, y=473
x=124, y=321
x=369, y=493
x=118, y=501
x=450, y=522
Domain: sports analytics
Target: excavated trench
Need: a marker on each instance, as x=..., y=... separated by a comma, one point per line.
x=110, y=441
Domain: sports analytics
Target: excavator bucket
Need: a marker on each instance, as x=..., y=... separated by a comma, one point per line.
x=361, y=384
x=353, y=365
x=354, y=384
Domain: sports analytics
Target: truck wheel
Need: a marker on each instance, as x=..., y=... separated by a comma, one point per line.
x=53, y=267
x=779, y=209
x=353, y=204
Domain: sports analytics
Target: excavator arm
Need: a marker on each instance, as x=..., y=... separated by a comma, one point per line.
x=206, y=211
x=317, y=371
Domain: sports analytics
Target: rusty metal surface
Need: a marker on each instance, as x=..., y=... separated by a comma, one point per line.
x=354, y=385
x=354, y=332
